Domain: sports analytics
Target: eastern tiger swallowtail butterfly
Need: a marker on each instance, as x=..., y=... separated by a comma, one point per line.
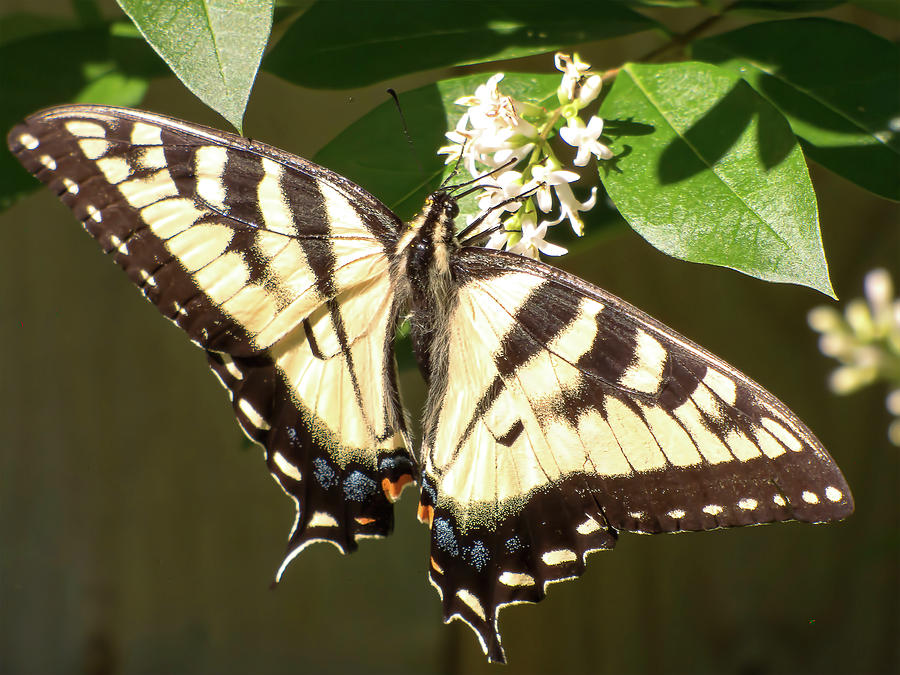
x=557, y=415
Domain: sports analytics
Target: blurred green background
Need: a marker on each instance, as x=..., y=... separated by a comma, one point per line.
x=139, y=532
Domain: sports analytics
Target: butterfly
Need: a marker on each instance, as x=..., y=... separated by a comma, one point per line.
x=557, y=414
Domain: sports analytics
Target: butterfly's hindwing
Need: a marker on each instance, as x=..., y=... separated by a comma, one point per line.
x=567, y=416
x=275, y=266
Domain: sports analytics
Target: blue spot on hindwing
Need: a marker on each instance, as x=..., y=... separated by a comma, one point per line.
x=443, y=534
x=395, y=465
x=387, y=463
x=358, y=487
x=429, y=495
x=323, y=472
x=477, y=555
x=513, y=544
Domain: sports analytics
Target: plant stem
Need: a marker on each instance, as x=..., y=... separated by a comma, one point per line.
x=677, y=40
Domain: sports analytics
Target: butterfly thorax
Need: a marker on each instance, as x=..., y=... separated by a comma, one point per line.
x=425, y=251
x=430, y=238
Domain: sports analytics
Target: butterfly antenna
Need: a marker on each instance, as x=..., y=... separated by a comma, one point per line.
x=475, y=188
x=499, y=169
x=455, y=171
x=409, y=140
x=470, y=233
x=468, y=241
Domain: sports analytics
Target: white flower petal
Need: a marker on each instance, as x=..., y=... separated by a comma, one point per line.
x=595, y=126
x=551, y=223
x=544, y=198
x=552, y=249
x=585, y=138
x=583, y=156
x=570, y=135
x=589, y=203
x=590, y=89
x=893, y=402
x=498, y=240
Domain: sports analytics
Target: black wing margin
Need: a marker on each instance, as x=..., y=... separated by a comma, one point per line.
x=568, y=416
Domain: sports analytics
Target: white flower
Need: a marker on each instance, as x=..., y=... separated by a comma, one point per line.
x=859, y=318
x=458, y=138
x=894, y=432
x=493, y=133
x=549, y=176
x=532, y=241
x=866, y=342
x=492, y=129
x=879, y=289
x=585, y=138
x=570, y=207
x=512, y=154
x=847, y=379
x=573, y=69
x=893, y=402
x=590, y=89
x=486, y=99
x=893, y=406
x=578, y=84
x=837, y=345
x=824, y=319
x=504, y=187
x=489, y=111
x=499, y=239
x=503, y=193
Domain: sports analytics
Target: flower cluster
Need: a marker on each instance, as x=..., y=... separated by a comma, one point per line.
x=497, y=134
x=865, y=339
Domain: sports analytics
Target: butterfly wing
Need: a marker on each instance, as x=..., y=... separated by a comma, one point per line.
x=567, y=415
x=278, y=269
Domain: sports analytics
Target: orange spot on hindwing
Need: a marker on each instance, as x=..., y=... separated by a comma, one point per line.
x=425, y=514
x=393, y=489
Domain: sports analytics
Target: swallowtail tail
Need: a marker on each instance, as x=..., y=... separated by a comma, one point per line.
x=557, y=414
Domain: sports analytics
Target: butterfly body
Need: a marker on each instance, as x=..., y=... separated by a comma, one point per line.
x=424, y=254
x=557, y=415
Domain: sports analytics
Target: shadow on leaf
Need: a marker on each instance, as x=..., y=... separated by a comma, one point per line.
x=721, y=129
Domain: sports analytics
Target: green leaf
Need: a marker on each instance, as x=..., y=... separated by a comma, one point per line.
x=836, y=83
x=708, y=171
x=784, y=6
x=213, y=46
x=87, y=65
x=665, y=3
x=374, y=152
x=352, y=44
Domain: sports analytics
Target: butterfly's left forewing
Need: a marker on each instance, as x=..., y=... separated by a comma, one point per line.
x=567, y=415
x=277, y=268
